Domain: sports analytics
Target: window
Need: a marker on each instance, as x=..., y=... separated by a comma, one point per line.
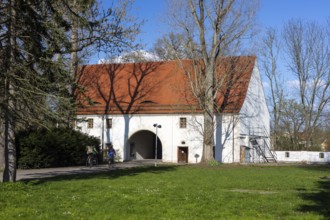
x=183, y=122
x=90, y=123
x=321, y=155
x=108, y=123
x=287, y=154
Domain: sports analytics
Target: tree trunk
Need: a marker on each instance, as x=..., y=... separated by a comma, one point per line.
x=2, y=151
x=208, y=138
x=7, y=135
x=74, y=56
x=9, y=172
x=208, y=115
x=74, y=42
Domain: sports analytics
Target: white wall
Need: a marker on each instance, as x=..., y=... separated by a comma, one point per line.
x=227, y=139
x=302, y=157
x=170, y=135
x=253, y=119
x=254, y=115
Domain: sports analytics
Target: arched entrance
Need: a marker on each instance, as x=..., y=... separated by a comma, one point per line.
x=142, y=145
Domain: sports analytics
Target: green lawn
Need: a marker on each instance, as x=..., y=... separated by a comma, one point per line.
x=174, y=192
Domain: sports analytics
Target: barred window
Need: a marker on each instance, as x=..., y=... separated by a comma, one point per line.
x=90, y=123
x=321, y=155
x=183, y=122
x=108, y=123
x=287, y=154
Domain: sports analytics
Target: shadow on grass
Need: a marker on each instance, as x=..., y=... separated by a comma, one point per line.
x=102, y=174
x=318, y=201
x=316, y=167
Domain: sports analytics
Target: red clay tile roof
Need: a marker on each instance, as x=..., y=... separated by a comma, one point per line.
x=158, y=87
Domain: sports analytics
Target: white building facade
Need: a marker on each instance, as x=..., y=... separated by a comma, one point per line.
x=180, y=137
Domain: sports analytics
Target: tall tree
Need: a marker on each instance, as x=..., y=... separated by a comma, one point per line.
x=36, y=40
x=94, y=29
x=291, y=122
x=217, y=26
x=174, y=46
x=308, y=55
x=25, y=55
x=29, y=74
x=269, y=53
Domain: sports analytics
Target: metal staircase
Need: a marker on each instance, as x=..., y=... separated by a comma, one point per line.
x=261, y=144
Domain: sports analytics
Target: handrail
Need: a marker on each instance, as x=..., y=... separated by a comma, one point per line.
x=268, y=144
x=263, y=134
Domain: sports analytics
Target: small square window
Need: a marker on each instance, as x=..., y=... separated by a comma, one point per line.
x=321, y=155
x=287, y=154
x=183, y=122
x=90, y=123
x=108, y=123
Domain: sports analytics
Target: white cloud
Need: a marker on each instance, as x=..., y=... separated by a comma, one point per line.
x=292, y=84
x=131, y=57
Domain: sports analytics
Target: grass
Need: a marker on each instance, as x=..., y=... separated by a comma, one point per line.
x=174, y=192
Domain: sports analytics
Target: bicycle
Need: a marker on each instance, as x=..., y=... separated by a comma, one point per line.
x=110, y=162
x=91, y=160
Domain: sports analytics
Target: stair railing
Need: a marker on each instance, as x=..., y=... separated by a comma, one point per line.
x=267, y=153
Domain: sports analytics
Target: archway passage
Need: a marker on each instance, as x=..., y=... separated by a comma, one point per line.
x=142, y=145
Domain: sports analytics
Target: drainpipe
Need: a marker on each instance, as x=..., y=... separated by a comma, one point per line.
x=233, y=139
x=102, y=134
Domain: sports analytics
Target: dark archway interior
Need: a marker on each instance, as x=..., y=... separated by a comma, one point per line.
x=142, y=145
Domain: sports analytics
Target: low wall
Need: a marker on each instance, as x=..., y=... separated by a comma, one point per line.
x=303, y=156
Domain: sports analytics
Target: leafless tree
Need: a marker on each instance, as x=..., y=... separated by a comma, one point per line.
x=269, y=62
x=174, y=46
x=93, y=28
x=308, y=55
x=290, y=125
x=217, y=27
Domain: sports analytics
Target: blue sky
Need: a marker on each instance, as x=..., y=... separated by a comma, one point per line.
x=272, y=13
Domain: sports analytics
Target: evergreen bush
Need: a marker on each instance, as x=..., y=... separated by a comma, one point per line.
x=56, y=147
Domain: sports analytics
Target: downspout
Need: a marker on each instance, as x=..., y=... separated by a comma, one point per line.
x=233, y=139
x=102, y=135
x=174, y=147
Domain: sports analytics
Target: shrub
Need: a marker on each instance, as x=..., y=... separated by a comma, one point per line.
x=214, y=163
x=52, y=148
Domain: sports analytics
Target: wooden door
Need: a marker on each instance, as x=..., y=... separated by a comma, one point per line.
x=242, y=154
x=182, y=154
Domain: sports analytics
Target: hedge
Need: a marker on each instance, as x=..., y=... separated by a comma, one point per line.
x=57, y=147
